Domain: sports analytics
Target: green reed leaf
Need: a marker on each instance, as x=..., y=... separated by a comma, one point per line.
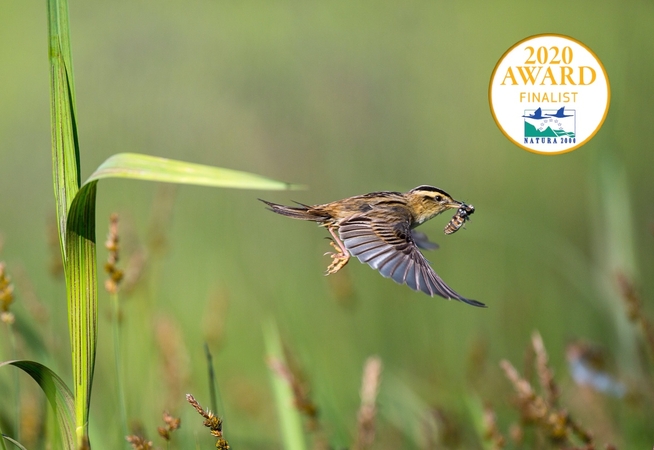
x=13, y=441
x=289, y=416
x=75, y=205
x=2, y=439
x=65, y=150
x=80, y=263
x=81, y=286
x=403, y=407
x=66, y=180
x=153, y=168
x=58, y=395
x=475, y=407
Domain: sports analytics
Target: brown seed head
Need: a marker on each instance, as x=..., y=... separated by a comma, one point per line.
x=6, y=296
x=172, y=424
x=139, y=442
x=368, y=409
x=214, y=423
x=112, y=244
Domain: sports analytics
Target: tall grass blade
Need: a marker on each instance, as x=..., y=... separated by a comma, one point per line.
x=212, y=379
x=475, y=408
x=58, y=395
x=289, y=416
x=66, y=179
x=65, y=151
x=76, y=206
x=81, y=285
x=403, y=407
x=616, y=244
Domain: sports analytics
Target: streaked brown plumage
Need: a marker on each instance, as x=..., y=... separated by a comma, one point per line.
x=378, y=228
x=462, y=214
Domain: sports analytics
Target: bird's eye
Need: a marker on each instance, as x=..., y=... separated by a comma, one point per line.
x=438, y=198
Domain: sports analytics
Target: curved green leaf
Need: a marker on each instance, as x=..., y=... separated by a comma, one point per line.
x=13, y=441
x=76, y=205
x=80, y=260
x=58, y=395
x=154, y=168
x=2, y=441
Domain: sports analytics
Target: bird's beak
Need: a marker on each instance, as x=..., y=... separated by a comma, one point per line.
x=454, y=204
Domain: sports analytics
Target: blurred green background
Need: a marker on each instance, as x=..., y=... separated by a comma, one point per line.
x=348, y=98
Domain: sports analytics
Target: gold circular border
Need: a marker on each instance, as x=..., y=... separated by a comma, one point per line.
x=608, y=94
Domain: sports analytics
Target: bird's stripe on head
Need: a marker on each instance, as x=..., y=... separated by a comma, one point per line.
x=427, y=188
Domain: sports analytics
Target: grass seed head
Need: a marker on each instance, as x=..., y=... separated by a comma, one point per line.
x=112, y=244
x=139, y=442
x=211, y=421
x=6, y=296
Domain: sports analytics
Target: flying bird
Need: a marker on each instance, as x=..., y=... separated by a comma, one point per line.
x=560, y=113
x=537, y=115
x=378, y=228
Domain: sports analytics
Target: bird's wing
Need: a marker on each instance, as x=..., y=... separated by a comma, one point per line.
x=389, y=248
x=422, y=240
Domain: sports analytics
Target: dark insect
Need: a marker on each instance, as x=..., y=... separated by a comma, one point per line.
x=461, y=216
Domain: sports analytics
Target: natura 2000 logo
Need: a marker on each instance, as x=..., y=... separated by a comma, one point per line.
x=549, y=94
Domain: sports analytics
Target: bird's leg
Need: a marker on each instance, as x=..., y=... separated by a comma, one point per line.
x=340, y=257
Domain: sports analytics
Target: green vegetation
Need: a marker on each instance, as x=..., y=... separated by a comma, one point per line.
x=345, y=98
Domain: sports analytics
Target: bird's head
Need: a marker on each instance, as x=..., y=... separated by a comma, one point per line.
x=429, y=201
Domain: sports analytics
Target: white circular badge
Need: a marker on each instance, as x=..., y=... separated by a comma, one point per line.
x=549, y=94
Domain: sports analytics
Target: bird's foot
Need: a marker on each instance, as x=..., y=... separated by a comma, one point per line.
x=339, y=259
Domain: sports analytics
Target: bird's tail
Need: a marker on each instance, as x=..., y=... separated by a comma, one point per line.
x=303, y=212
